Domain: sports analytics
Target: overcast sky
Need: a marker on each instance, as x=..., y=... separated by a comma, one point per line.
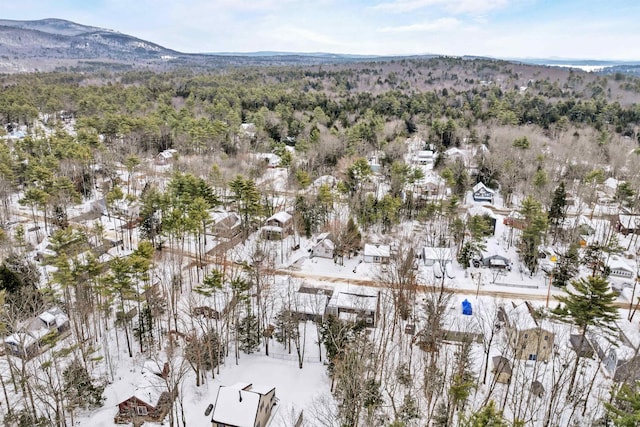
x=592, y=29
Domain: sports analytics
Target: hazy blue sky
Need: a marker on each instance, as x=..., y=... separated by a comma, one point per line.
x=594, y=29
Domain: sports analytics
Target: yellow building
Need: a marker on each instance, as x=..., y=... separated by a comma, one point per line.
x=527, y=336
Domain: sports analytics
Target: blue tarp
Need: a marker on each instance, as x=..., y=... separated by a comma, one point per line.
x=466, y=308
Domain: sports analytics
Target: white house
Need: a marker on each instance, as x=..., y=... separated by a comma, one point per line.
x=619, y=268
x=442, y=256
x=165, y=157
x=424, y=157
x=482, y=193
x=378, y=254
x=324, y=247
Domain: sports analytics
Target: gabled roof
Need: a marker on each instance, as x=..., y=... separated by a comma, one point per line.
x=480, y=186
x=440, y=254
x=237, y=405
x=382, y=251
x=281, y=217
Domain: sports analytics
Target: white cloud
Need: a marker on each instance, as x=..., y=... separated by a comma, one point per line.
x=453, y=6
x=441, y=24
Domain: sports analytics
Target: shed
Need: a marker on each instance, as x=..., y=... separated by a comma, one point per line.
x=501, y=369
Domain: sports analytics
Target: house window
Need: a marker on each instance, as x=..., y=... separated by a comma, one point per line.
x=526, y=336
x=141, y=410
x=546, y=337
x=533, y=357
x=376, y=259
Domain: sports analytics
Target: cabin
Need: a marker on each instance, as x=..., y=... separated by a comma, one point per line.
x=150, y=401
x=165, y=157
x=355, y=304
x=278, y=226
x=628, y=224
x=323, y=248
x=377, y=254
x=225, y=224
x=243, y=405
x=501, y=368
x=31, y=336
x=525, y=332
x=482, y=193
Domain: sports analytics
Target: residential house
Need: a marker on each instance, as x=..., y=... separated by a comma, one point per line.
x=430, y=186
x=243, y=405
x=216, y=306
x=377, y=254
x=424, y=158
x=310, y=303
x=486, y=215
x=355, y=304
x=277, y=226
x=150, y=400
x=527, y=336
x=628, y=224
x=441, y=256
x=482, y=193
x=324, y=247
x=29, y=339
x=225, y=224
x=501, y=369
x=165, y=157
x=619, y=268
x=492, y=261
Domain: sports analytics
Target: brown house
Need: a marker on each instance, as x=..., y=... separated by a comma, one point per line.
x=277, y=226
x=150, y=401
x=527, y=337
x=225, y=224
x=243, y=405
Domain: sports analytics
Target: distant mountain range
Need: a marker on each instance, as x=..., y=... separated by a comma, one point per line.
x=50, y=44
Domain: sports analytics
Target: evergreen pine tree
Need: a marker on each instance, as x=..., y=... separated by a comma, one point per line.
x=589, y=306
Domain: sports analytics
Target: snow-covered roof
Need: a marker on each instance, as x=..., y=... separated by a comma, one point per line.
x=236, y=406
x=454, y=152
x=616, y=263
x=281, y=217
x=219, y=216
x=440, y=254
x=310, y=303
x=357, y=300
x=611, y=183
x=629, y=221
x=477, y=210
x=325, y=180
x=273, y=228
x=480, y=186
x=382, y=251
